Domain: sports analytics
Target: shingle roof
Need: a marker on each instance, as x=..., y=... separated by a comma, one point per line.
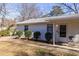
x=32, y=21
x=47, y=19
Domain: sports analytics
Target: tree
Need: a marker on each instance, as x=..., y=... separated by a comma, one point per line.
x=3, y=13
x=56, y=10
x=63, y=8
x=71, y=7
x=29, y=11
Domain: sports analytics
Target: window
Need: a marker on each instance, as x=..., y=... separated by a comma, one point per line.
x=62, y=30
x=25, y=27
x=50, y=28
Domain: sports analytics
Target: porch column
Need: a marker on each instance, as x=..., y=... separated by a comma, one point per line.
x=54, y=31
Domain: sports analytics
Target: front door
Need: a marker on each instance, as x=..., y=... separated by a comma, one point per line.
x=62, y=33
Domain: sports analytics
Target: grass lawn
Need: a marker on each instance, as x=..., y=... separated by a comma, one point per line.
x=15, y=49
x=11, y=48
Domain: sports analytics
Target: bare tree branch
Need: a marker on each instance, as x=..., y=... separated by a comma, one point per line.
x=75, y=9
x=3, y=13
x=28, y=11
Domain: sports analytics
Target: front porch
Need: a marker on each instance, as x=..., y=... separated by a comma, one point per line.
x=64, y=29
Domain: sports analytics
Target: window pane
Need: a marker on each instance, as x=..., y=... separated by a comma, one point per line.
x=25, y=27
x=50, y=28
x=62, y=30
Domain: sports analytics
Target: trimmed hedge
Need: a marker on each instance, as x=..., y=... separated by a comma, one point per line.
x=37, y=35
x=48, y=36
x=27, y=33
x=19, y=33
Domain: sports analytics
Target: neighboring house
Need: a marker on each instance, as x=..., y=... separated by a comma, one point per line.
x=62, y=27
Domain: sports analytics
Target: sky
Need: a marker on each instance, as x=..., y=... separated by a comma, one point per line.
x=45, y=7
x=13, y=13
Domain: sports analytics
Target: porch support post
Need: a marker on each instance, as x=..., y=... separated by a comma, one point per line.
x=54, y=31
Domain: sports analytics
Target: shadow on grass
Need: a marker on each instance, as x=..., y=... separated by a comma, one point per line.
x=21, y=53
x=43, y=52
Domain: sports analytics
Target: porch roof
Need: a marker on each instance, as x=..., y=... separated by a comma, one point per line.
x=53, y=18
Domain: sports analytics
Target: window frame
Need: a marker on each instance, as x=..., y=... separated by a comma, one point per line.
x=50, y=28
x=25, y=27
x=63, y=31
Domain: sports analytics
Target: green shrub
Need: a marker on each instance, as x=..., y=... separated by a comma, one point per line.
x=19, y=33
x=4, y=33
x=37, y=34
x=27, y=33
x=48, y=36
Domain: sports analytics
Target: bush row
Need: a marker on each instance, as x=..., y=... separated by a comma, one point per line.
x=36, y=34
x=27, y=34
